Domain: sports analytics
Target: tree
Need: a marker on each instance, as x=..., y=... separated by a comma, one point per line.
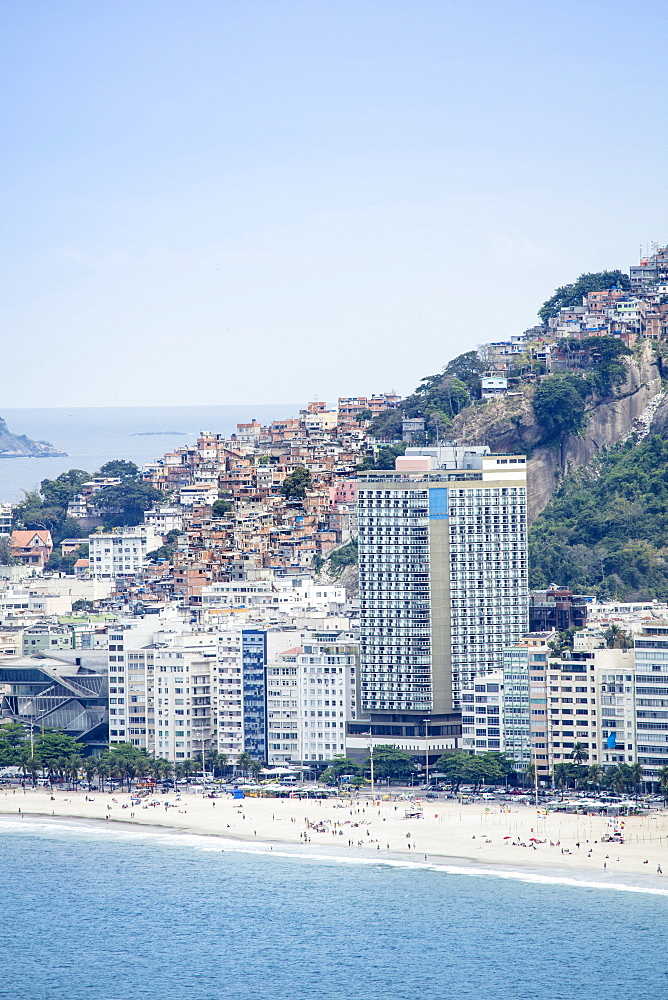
x=256, y=769
x=46, y=508
x=454, y=766
x=559, y=405
x=244, y=763
x=89, y=768
x=12, y=741
x=384, y=459
x=663, y=781
x=562, y=643
x=103, y=770
x=221, y=507
x=636, y=777
x=58, y=492
x=390, y=762
x=572, y=295
x=83, y=605
x=616, y=638
x=595, y=775
x=125, y=503
x=6, y=558
x=338, y=766
x=387, y=426
x=50, y=747
x=295, y=485
x=346, y=555
x=164, y=554
x=118, y=468
x=561, y=776
x=363, y=416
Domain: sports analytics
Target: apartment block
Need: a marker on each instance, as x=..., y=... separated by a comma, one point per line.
x=651, y=695
x=121, y=553
x=482, y=715
x=443, y=579
x=310, y=697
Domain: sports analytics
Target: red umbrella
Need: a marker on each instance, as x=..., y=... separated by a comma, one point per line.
x=507, y=838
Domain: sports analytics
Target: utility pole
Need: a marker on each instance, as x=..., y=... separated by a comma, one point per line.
x=371, y=761
x=426, y=753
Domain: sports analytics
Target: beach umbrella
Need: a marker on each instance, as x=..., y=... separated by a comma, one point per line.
x=507, y=838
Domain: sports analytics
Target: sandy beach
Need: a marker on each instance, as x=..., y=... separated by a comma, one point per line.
x=482, y=833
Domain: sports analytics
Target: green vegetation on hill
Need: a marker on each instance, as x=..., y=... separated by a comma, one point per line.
x=605, y=531
x=124, y=503
x=559, y=400
x=571, y=295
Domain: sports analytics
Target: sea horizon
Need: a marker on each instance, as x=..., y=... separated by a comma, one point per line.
x=93, y=435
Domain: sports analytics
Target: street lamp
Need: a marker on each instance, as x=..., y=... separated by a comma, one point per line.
x=426, y=753
x=371, y=760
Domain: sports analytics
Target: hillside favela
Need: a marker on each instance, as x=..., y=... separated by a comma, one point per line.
x=422, y=604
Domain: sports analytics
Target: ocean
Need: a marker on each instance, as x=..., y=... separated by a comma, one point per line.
x=118, y=914
x=92, y=436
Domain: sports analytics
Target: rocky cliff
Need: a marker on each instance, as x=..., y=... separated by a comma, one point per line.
x=509, y=425
x=20, y=446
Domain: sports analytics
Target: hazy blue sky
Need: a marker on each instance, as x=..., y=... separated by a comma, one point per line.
x=230, y=202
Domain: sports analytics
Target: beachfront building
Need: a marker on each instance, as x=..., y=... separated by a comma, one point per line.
x=515, y=715
x=618, y=722
x=651, y=696
x=552, y=703
x=482, y=715
x=311, y=690
x=178, y=691
x=443, y=588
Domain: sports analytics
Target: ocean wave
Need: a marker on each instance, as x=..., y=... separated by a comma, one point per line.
x=216, y=844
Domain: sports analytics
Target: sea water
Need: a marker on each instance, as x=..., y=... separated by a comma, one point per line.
x=112, y=914
x=93, y=435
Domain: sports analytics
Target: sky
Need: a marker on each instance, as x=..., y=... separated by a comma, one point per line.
x=210, y=202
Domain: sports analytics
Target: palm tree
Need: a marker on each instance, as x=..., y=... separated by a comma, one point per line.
x=89, y=768
x=618, y=780
x=256, y=768
x=594, y=775
x=142, y=766
x=663, y=781
x=103, y=769
x=190, y=767
x=29, y=764
x=579, y=755
x=74, y=764
x=561, y=777
x=244, y=763
x=156, y=768
x=166, y=769
x=179, y=772
x=636, y=775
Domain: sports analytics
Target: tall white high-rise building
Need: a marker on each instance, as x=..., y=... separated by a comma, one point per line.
x=443, y=582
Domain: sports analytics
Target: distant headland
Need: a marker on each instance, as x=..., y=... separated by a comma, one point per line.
x=20, y=446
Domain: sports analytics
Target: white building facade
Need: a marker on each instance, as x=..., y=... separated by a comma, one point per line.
x=121, y=553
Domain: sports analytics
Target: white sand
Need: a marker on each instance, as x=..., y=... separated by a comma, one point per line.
x=473, y=832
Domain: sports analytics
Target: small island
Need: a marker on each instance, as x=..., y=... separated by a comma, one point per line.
x=20, y=446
